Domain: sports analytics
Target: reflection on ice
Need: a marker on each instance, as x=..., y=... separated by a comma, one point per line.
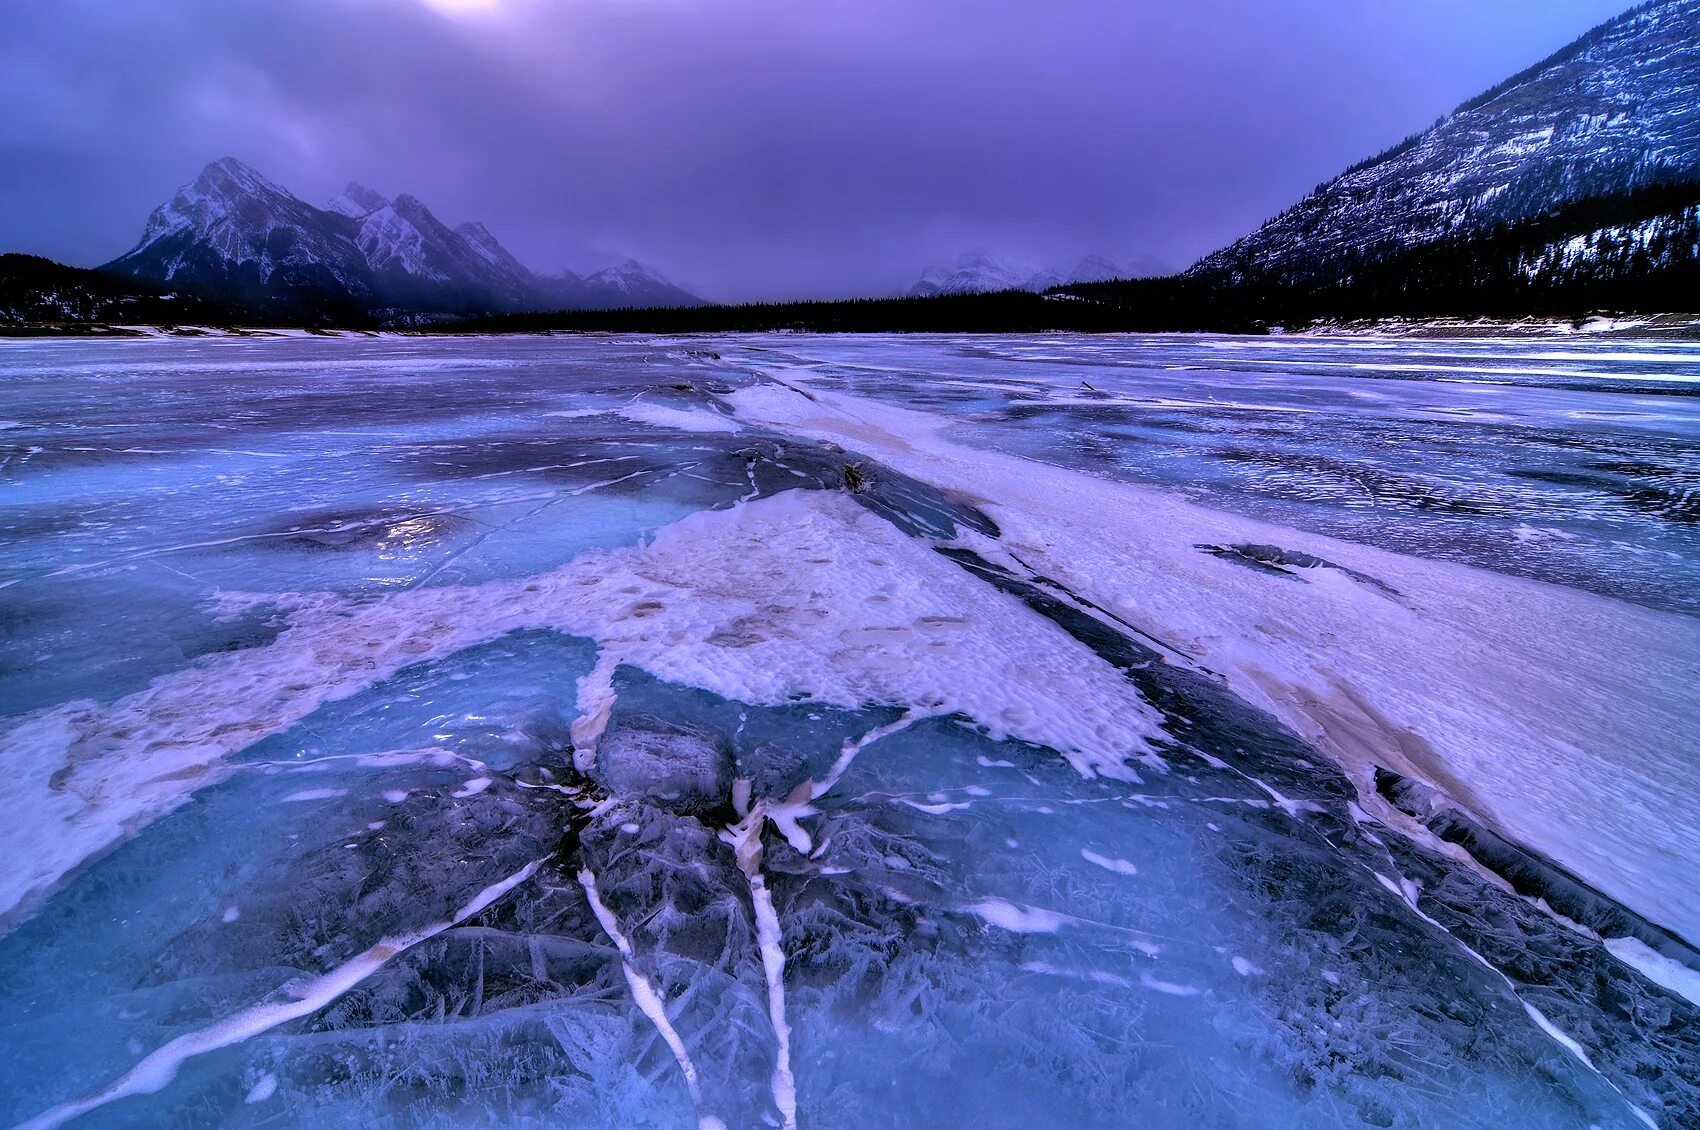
x=613, y=760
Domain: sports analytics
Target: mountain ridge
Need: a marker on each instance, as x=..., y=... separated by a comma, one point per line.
x=1613, y=111
x=236, y=237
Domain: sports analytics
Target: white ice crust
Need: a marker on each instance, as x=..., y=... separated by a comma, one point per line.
x=678, y=419
x=802, y=593
x=1567, y=721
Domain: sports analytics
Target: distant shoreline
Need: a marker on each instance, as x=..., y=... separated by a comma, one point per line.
x=1622, y=327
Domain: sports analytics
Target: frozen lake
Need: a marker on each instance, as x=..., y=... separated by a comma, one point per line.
x=850, y=731
x=1577, y=463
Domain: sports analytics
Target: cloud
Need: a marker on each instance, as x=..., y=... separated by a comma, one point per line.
x=750, y=147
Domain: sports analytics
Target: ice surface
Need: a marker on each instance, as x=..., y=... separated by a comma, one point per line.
x=1581, y=473
x=1505, y=692
x=634, y=732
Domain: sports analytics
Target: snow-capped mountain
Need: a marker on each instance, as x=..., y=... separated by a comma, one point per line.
x=973, y=273
x=421, y=263
x=981, y=272
x=630, y=283
x=1101, y=268
x=238, y=238
x=502, y=266
x=1615, y=111
x=357, y=200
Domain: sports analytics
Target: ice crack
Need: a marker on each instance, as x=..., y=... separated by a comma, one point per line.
x=158, y=1069
x=745, y=840
x=648, y=999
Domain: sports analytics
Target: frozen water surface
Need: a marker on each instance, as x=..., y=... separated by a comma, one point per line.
x=1575, y=463
x=787, y=731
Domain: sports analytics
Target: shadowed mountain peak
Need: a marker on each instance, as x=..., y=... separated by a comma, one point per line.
x=240, y=239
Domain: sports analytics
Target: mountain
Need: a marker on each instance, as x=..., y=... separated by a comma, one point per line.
x=357, y=200
x=630, y=283
x=1570, y=187
x=980, y=272
x=236, y=238
x=975, y=272
x=420, y=264
x=1616, y=111
x=504, y=270
x=1101, y=268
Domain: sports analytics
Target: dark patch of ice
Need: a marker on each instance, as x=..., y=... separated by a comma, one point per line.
x=677, y=766
x=1276, y=561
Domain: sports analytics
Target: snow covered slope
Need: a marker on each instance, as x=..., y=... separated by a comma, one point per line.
x=236, y=235
x=630, y=283
x=498, y=261
x=357, y=200
x=1615, y=111
x=420, y=262
x=974, y=273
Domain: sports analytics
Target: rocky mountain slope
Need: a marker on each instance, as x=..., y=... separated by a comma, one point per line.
x=234, y=235
x=238, y=238
x=419, y=263
x=1616, y=111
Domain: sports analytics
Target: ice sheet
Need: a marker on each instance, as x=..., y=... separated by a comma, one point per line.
x=849, y=611
x=718, y=775
x=1560, y=717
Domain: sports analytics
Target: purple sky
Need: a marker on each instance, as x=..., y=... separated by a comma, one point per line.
x=748, y=148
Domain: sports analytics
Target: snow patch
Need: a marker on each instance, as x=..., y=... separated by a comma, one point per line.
x=1663, y=971
x=1017, y=919
x=677, y=419
x=1119, y=866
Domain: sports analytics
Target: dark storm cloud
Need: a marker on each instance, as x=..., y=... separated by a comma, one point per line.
x=749, y=148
